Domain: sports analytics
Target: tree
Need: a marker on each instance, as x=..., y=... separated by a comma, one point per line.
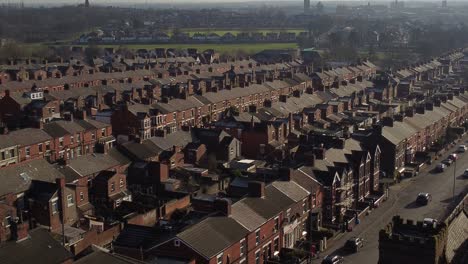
x=353, y=39
x=335, y=39
x=93, y=51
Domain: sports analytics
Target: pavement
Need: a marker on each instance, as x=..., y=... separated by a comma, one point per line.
x=401, y=202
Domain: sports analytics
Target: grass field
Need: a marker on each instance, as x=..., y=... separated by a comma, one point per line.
x=249, y=48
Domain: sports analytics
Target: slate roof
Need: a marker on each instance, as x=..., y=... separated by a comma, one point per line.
x=399, y=132
x=18, y=178
x=291, y=189
x=26, y=136
x=100, y=257
x=213, y=235
x=271, y=205
x=40, y=245
x=246, y=216
x=94, y=163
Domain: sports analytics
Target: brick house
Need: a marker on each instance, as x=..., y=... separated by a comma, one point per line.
x=110, y=189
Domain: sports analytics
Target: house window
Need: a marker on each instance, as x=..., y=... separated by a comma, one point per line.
x=61, y=142
x=3, y=155
x=257, y=257
x=93, y=136
x=28, y=151
x=219, y=259
x=81, y=196
x=121, y=184
x=257, y=237
x=177, y=243
x=276, y=244
x=72, y=139
x=305, y=208
x=7, y=221
x=55, y=208
x=242, y=247
x=70, y=200
x=40, y=147
x=112, y=187
x=12, y=153
x=47, y=145
x=277, y=224
x=78, y=138
x=103, y=132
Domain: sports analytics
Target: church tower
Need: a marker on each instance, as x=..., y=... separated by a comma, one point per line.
x=86, y=3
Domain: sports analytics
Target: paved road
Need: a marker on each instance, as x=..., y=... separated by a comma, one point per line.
x=402, y=202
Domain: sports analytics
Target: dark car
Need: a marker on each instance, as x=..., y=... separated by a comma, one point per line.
x=423, y=198
x=447, y=162
x=354, y=244
x=441, y=167
x=333, y=259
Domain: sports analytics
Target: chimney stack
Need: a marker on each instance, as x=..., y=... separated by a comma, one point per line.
x=62, y=198
x=256, y=189
x=387, y=121
x=223, y=206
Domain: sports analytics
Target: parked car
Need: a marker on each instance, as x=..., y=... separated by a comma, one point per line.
x=423, y=198
x=453, y=156
x=333, y=259
x=354, y=244
x=447, y=162
x=441, y=167
x=465, y=174
x=429, y=222
x=462, y=148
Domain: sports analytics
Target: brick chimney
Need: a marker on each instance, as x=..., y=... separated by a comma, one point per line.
x=283, y=98
x=223, y=206
x=309, y=159
x=420, y=109
x=159, y=170
x=409, y=112
x=429, y=106
x=319, y=152
x=387, y=121
x=256, y=189
x=62, y=198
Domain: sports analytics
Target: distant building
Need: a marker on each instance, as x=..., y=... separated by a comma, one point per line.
x=397, y=4
x=86, y=3
x=306, y=6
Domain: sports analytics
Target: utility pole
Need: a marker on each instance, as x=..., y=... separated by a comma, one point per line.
x=454, y=177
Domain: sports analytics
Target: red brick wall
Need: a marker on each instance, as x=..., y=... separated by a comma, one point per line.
x=93, y=237
x=251, y=141
x=145, y=219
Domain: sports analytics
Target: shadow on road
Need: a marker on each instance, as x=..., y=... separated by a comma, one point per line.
x=462, y=177
x=448, y=200
x=342, y=252
x=412, y=205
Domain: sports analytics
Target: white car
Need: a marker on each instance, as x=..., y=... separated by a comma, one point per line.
x=462, y=148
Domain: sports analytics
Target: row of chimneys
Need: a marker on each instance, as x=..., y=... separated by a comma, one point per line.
x=419, y=109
